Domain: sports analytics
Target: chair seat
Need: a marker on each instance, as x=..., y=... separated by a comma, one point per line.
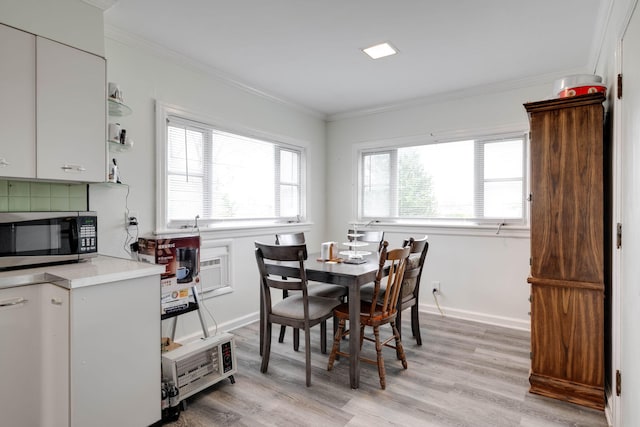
x=366, y=293
x=293, y=308
x=326, y=290
x=342, y=312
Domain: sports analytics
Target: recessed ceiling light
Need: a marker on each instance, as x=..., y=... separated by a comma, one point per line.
x=380, y=50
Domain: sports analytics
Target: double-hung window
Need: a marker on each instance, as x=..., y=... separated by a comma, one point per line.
x=470, y=180
x=222, y=176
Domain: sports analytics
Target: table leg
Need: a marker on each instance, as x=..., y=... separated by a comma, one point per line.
x=354, y=335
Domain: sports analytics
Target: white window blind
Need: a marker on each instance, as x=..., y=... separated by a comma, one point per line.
x=471, y=179
x=222, y=176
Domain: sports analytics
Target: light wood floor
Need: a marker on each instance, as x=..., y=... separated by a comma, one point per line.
x=464, y=374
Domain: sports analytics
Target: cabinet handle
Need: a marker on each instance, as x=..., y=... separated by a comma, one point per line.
x=56, y=301
x=78, y=168
x=3, y=162
x=14, y=301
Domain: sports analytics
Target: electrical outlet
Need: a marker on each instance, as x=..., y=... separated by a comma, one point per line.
x=130, y=218
x=435, y=286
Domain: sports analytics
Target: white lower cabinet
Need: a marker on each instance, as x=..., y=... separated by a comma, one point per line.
x=55, y=355
x=115, y=354
x=83, y=357
x=34, y=367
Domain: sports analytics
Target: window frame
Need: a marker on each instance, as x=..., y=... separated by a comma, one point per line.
x=163, y=225
x=483, y=137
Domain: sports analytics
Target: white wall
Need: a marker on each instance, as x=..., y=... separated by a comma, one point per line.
x=72, y=22
x=483, y=277
x=623, y=410
x=146, y=76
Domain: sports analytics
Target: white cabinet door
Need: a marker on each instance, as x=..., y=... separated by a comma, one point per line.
x=17, y=103
x=115, y=355
x=34, y=356
x=54, y=329
x=71, y=113
x=20, y=356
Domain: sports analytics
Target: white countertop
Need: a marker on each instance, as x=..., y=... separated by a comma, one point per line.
x=94, y=271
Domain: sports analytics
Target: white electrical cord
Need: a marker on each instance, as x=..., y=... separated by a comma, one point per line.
x=196, y=229
x=129, y=238
x=435, y=297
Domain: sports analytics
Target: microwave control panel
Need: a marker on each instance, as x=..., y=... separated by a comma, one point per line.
x=88, y=234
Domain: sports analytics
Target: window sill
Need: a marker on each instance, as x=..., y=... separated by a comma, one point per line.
x=228, y=230
x=516, y=231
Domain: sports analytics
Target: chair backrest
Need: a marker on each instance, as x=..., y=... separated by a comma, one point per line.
x=391, y=269
x=369, y=236
x=290, y=239
x=297, y=282
x=413, y=270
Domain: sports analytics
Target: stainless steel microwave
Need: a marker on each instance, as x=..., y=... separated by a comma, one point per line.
x=37, y=238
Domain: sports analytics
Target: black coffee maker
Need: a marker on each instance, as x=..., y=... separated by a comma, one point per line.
x=188, y=259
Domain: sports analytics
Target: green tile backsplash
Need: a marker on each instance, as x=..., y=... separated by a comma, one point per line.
x=25, y=196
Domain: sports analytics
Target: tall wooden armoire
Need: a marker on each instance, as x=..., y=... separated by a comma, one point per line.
x=568, y=247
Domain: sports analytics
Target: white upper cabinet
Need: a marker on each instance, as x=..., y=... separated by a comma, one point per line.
x=17, y=103
x=71, y=113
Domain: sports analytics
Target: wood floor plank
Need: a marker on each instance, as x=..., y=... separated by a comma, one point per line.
x=464, y=374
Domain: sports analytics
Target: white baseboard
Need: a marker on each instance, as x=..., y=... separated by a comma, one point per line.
x=485, y=318
x=489, y=319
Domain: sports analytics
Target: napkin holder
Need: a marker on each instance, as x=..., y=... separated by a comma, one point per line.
x=328, y=251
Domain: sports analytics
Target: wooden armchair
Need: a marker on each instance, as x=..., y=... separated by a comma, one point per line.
x=410, y=292
x=375, y=314
x=301, y=311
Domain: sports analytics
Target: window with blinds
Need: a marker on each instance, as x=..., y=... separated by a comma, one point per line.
x=222, y=176
x=471, y=180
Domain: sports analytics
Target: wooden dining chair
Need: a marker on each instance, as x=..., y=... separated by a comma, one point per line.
x=378, y=313
x=326, y=290
x=301, y=311
x=410, y=291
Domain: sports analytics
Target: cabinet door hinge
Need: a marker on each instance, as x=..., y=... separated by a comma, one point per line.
x=618, y=382
x=530, y=261
x=618, y=236
x=531, y=355
x=619, y=91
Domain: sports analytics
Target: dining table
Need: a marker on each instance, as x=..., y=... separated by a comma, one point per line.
x=353, y=276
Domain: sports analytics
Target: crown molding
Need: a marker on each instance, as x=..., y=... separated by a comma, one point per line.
x=101, y=4
x=604, y=19
x=459, y=94
x=132, y=40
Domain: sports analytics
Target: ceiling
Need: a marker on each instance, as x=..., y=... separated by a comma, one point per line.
x=307, y=52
